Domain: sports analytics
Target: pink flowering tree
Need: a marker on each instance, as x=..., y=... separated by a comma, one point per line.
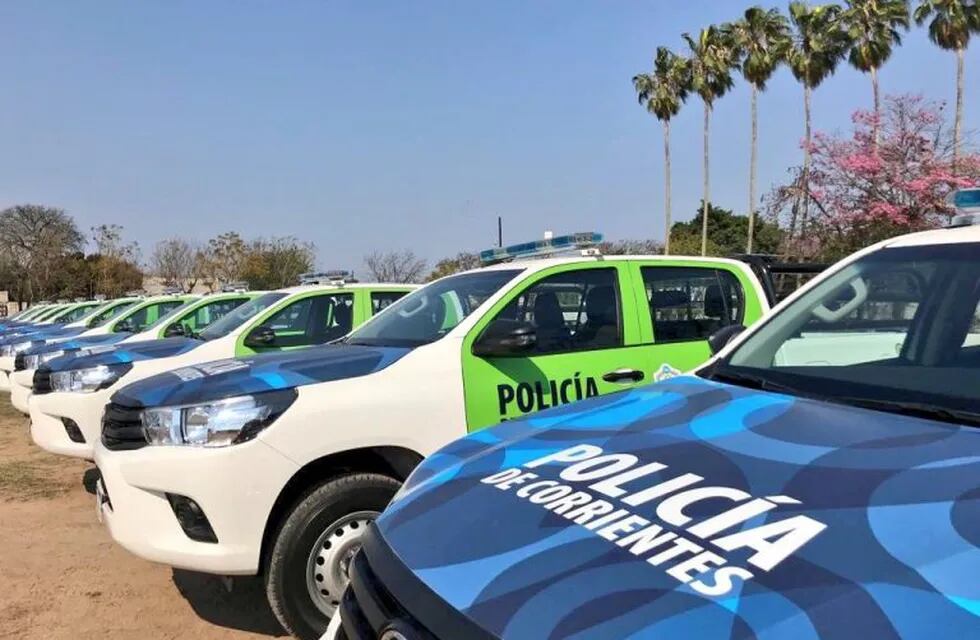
x=860, y=193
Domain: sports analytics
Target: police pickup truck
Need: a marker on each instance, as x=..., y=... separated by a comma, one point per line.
x=70, y=393
x=818, y=479
x=276, y=464
x=191, y=317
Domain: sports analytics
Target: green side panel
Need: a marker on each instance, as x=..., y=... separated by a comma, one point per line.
x=497, y=389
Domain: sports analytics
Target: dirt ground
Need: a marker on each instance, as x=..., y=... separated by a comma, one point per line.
x=61, y=576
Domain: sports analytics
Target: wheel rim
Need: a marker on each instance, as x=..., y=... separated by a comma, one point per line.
x=328, y=567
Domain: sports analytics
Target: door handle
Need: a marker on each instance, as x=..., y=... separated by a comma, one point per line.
x=623, y=375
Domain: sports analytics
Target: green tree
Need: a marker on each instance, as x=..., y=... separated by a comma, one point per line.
x=762, y=38
x=727, y=233
x=664, y=92
x=224, y=259
x=277, y=262
x=952, y=24
x=33, y=241
x=463, y=261
x=819, y=43
x=713, y=56
x=873, y=30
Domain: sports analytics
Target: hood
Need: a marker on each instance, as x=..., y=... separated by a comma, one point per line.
x=695, y=509
x=233, y=377
x=77, y=343
x=123, y=353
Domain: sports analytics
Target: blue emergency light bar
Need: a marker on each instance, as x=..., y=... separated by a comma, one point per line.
x=335, y=275
x=544, y=247
x=966, y=202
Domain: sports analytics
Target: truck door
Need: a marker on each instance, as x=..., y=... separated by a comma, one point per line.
x=586, y=342
x=314, y=319
x=683, y=305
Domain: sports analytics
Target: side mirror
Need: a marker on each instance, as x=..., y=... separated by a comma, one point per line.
x=175, y=330
x=260, y=338
x=721, y=337
x=124, y=327
x=505, y=338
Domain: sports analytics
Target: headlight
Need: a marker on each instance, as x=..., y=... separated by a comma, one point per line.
x=215, y=424
x=36, y=360
x=12, y=349
x=88, y=380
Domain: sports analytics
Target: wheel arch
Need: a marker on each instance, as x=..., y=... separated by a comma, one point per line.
x=393, y=461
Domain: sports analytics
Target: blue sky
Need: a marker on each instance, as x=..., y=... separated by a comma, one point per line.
x=385, y=125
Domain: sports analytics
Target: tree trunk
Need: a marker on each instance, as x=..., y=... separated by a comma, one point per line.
x=752, y=168
x=805, y=209
x=877, y=107
x=667, y=217
x=958, y=123
x=707, y=182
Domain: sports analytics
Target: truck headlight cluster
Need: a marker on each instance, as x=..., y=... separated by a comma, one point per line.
x=215, y=424
x=90, y=379
x=36, y=360
x=15, y=348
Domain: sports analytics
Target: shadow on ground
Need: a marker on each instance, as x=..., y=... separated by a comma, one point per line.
x=244, y=607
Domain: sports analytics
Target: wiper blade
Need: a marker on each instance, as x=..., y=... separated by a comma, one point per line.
x=751, y=381
x=917, y=410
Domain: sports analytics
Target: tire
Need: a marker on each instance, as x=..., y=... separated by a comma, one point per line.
x=311, y=527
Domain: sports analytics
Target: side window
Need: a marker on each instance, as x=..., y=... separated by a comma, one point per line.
x=206, y=314
x=313, y=320
x=570, y=311
x=380, y=300
x=688, y=304
x=338, y=313
x=866, y=320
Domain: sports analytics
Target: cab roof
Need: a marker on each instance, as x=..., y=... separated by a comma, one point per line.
x=954, y=235
x=538, y=264
x=347, y=286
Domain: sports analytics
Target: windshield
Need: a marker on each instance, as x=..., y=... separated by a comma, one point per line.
x=239, y=316
x=77, y=313
x=108, y=314
x=898, y=329
x=47, y=314
x=170, y=314
x=431, y=312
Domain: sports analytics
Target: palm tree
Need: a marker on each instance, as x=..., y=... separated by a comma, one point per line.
x=713, y=56
x=664, y=92
x=872, y=28
x=953, y=21
x=762, y=38
x=818, y=44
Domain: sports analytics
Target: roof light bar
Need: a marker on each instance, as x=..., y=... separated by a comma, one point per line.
x=966, y=202
x=335, y=276
x=548, y=246
x=235, y=287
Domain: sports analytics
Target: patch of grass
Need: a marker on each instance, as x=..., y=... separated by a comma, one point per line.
x=21, y=480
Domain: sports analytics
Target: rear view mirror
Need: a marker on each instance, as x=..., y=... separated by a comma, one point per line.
x=260, y=338
x=175, y=330
x=720, y=338
x=505, y=338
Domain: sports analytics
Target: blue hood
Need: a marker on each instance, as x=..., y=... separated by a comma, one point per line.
x=74, y=344
x=233, y=377
x=123, y=353
x=839, y=522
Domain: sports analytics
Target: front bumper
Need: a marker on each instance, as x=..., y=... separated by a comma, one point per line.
x=21, y=385
x=48, y=412
x=236, y=488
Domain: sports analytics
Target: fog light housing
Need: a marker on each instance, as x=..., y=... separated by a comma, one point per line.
x=191, y=518
x=74, y=433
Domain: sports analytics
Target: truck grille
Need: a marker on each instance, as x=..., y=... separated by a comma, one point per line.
x=122, y=429
x=42, y=381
